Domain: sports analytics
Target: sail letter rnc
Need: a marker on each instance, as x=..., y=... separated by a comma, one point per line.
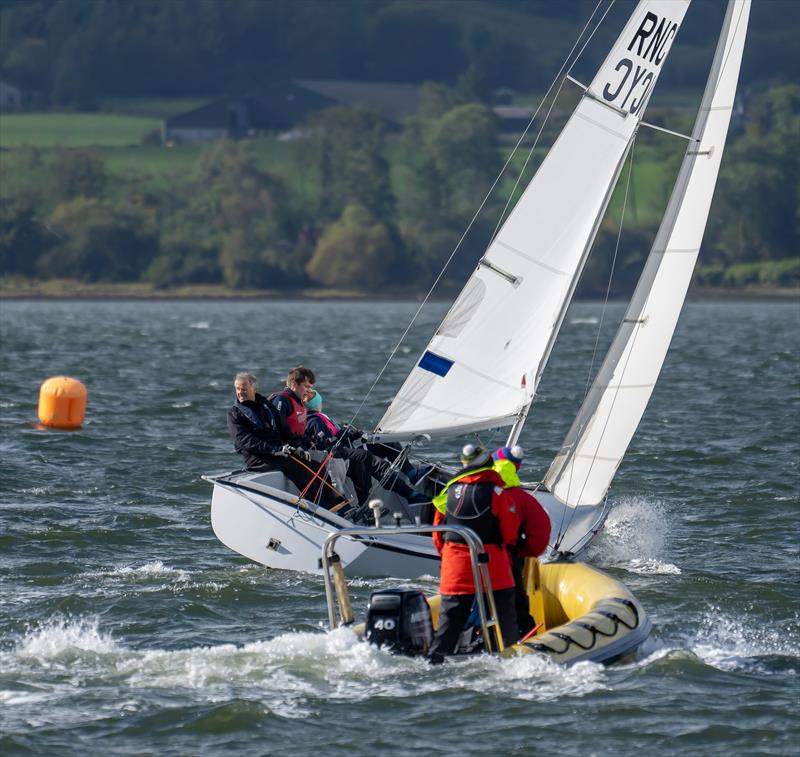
x=655, y=50
x=435, y=363
x=649, y=44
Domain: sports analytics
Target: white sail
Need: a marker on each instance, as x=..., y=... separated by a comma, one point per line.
x=481, y=368
x=593, y=448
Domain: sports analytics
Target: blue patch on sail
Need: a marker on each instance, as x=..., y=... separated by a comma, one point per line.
x=435, y=363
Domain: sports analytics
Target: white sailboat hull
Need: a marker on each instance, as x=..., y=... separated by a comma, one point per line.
x=252, y=514
x=263, y=524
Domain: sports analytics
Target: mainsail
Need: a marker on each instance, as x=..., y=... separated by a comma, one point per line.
x=593, y=448
x=481, y=368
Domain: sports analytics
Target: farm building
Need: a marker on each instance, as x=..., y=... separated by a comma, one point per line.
x=284, y=106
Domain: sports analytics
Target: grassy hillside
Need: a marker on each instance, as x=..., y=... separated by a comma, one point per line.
x=51, y=162
x=118, y=139
x=73, y=129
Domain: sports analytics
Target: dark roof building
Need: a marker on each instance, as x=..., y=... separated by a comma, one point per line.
x=279, y=107
x=285, y=106
x=394, y=103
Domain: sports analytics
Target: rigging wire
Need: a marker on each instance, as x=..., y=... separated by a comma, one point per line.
x=489, y=193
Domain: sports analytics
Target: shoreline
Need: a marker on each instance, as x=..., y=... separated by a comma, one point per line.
x=61, y=290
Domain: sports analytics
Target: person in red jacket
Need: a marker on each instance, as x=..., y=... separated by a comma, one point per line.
x=474, y=498
x=534, y=529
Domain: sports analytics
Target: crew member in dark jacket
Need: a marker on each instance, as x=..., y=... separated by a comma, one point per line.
x=255, y=429
x=324, y=433
x=474, y=498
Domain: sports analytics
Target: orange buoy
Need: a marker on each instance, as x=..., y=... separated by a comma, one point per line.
x=62, y=402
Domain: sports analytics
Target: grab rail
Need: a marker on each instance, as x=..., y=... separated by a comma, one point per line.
x=478, y=559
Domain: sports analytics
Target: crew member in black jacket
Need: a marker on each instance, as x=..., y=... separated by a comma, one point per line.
x=255, y=429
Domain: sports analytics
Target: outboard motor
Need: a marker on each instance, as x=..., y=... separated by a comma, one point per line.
x=400, y=619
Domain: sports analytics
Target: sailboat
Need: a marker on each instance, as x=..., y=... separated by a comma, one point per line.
x=482, y=367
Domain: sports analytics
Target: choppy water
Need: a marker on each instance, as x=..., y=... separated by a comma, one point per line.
x=127, y=629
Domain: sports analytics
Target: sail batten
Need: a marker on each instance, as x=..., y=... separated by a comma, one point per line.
x=599, y=437
x=499, y=332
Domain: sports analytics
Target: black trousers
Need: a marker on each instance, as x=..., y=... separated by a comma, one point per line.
x=390, y=451
x=453, y=614
x=363, y=466
x=525, y=621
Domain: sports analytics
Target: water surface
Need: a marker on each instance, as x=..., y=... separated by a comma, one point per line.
x=127, y=628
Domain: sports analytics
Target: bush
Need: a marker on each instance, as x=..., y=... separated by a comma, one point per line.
x=98, y=242
x=22, y=237
x=245, y=264
x=709, y=275
x=354, y=252
x=181, y=262
x=767, y=272
x=77, y=173
x=741, y=274
x=780, y=272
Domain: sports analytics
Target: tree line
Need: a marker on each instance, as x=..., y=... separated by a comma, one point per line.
x=371, y=224
x=75, y=52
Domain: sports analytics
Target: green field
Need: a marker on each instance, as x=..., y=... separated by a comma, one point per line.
x=73, y=129
x=29, y=143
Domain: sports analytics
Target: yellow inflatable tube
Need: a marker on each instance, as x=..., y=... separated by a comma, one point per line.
x=581, y=614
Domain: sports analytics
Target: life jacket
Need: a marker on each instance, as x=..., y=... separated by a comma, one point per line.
x=333, y=429
x=471, y=505
x=296, y=420
x=440, y=500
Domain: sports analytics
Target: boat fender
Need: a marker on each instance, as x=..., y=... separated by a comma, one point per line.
x=399, y=620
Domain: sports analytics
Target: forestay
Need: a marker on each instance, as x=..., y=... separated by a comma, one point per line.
x=482, y=366
x=593, y=449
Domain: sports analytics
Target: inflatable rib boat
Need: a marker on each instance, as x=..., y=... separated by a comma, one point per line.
x=582, y=614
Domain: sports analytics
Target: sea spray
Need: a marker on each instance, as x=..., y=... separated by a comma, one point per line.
x=635, y=538
x=64, y=639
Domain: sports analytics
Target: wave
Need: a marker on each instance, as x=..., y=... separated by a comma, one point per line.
x=289, y=673
x=65, y=638
x=154, y=569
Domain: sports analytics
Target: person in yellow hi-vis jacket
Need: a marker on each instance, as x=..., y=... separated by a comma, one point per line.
x=534, y=529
